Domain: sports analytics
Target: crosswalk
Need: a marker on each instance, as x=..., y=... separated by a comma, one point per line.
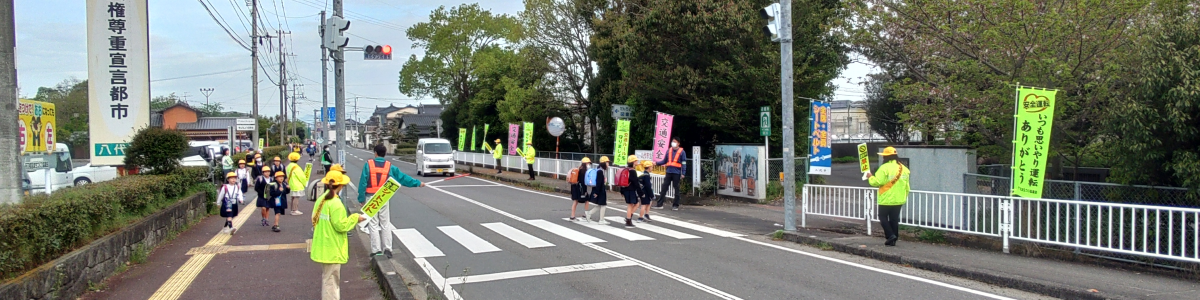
x=579, y=231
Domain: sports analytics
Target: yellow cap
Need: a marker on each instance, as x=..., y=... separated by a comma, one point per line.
x=497, y=140
x=280, y=174
x=294, y=156
x=241, y=161
x=647, y=164
x=336, y=178
x=604, y=159
x=276, y=158
x=586, y=160
x=230, y=174
x=888, y=151
x=529, y=143
x=267, y=169
x=337, y=167
x=632, y=158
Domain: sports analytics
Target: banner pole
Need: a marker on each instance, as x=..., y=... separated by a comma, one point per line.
x=1012, y=177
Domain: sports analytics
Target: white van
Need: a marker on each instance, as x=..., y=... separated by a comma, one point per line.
x=435, y=156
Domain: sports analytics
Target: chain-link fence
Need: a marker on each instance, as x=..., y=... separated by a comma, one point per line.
x=1087, y=191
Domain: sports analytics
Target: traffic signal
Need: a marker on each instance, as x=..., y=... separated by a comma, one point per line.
x=377, y=52
x=771, y=13
x=334, y=37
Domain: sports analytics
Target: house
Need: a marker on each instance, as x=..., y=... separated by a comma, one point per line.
x=848, y=120
x=193, y=124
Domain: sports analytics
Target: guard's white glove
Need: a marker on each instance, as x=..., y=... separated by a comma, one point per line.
x=866, y=175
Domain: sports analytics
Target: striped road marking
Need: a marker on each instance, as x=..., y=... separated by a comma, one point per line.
x=656, y=229
x=469, y=240
x=416, y=243
x=621, y=233
x=537, y=272
x=564, y=232
x=518, y=236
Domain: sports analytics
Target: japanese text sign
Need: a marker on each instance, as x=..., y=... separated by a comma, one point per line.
x=820, y=156
x=472, y=138
x=513, y=135
x=462, y=138
x=864, y=161
x=1031, y=140
x=621, y=143
x=381, y=197
x=662, y=135
x=118, y=76
x=483, y=136
x=528, y=136
x=35, y=126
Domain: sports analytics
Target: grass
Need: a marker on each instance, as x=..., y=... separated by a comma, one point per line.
x=777, y=235
x=926, y=235
x=824, y=246
x=845, y=160
x=139, y=255
x=96, y=287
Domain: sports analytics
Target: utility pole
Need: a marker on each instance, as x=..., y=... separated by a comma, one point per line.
x=295, y=129
x=339, y=91
x=324, y=81
x=254, y=66
x=789, y=124
x=283, y=116
x=207, y=92
x=10, y=152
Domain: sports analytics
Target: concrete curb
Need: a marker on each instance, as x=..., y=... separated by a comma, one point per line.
x=390, y=282
x=1008, y=281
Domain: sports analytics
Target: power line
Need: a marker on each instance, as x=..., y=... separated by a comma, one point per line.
x=214, y=17
x=241, y=15
x=200, y=75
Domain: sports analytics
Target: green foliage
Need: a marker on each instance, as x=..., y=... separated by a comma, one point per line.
x=162, y=102
x=42, y=228
x=70, y=103
x=845, y=160
x=884, y=110
x=778, y=235
x=139, y=254
x=156, y=149
x=405, y=151
x=825, y=246
x=451, y=40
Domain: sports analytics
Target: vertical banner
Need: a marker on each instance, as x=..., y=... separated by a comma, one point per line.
x=662, y=135
x=484, y=135
x=528, y=137
x=1031, y=140
x=261, y=144
x=462, y=138
x=696, y=166
x=513, y=135
x=864, y=160
x=118, y=46
x=820, y=156
x=35, y=126
x=472, y=137
x=621, y=144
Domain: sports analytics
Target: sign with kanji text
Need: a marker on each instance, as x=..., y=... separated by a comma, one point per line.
x=1031, y=140
x=528, y=136
x=462, y=138
x=764, y=121
x=381, y=197
x=472, y=137
x=820, y=156
x=35, y=126
x=662, y=135
x=864, y=160
x=118, y=56
x=513, y=135
x=621, y=143
x=308, y=169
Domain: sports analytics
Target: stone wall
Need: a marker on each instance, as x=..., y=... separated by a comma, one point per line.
x=68, y=277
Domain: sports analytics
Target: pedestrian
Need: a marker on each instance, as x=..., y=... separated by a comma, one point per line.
x=229, y=198
x=529, y=155
x=375, y=173
x=330, y=247
x=255, y=163
x=892, y=180
x=243, y=176
x=277, y=166
x=674, y=161
x=297, y=180
x=325, y=160
x=647, y=192
x=310, y=149
x=578, y=188
x=497, y=153
x=262, y=185
x=279, y=202
x=599, y=194
x=631, y=189
x=226, y=161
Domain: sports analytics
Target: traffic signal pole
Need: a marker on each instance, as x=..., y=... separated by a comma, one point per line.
x=789, y=130
x=324, y=83
x=254, y=69
x=339, y=91
x=10, y=182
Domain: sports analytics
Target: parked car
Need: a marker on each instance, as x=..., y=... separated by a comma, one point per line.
x=61, y=171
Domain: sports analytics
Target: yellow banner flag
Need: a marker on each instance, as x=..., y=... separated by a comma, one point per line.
x=381, y=197
x=308, y=170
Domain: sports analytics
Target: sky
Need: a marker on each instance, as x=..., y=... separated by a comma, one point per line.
x=185, y=42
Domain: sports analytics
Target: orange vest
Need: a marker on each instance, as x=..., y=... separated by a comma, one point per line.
x=673, y=158
x=378, y=174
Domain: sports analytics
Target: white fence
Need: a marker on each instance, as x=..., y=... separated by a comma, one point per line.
x=1142, y=230
x=559, y=168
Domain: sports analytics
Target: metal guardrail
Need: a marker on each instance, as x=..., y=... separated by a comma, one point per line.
x=1140, y=230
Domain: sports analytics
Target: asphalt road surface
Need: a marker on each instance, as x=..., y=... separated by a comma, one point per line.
x=476, y=239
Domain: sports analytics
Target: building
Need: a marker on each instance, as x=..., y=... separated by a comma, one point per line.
x=848, y=121
x=193, y=124
x=424, y=117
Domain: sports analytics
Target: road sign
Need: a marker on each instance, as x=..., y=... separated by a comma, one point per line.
x=246, y=121
x=621, y=111
x=556, y=126
x=764, y=116
x=329, y=114
x=241, y=127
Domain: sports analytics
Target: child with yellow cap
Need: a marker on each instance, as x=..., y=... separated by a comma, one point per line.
x=261, y=184
x=279, y=197
x=330, y=247
x=599, y=194
x=578, y=188
x=647, y=190
x=229, y=197
x=632, y=190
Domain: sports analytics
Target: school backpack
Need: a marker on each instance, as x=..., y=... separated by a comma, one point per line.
x=623, y=178
x=590, y=178
x=573, y=176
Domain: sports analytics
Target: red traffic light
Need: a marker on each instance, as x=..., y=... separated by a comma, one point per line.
x=387, y=49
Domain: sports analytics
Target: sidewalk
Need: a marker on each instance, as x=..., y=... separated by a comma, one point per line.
x=254, y=263
x=1050, y=277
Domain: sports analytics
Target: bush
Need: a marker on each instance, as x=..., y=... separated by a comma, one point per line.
x=405, y=151
x=43, y=228
x=156, y=150
x=845, y=160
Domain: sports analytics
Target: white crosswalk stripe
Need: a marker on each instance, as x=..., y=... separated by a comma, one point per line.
x=621, y=233
x=696, y=227
x=564, y=232
x=469, y=240
x=416, y=243
x=528, y=240
x=656, y=229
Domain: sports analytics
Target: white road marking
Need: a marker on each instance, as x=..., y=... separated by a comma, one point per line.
x=564, y=232
x=897, y=274
x=469, y=240
x=469, y=185
x=696, y=227
x=538, y=272
x=656, y=229
x=518, y=236
x=668, y=274
x=437, y=279
x=621, y=233
x=416, y=243
x=501, y=212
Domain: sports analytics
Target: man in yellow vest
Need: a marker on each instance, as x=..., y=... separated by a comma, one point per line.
x=297, y=181
x=498, y=153
x=675, y=169
x=374, y=174
x=892, y=180
x=528, y=154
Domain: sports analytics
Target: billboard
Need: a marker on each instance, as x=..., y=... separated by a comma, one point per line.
x=742, y=171
x=118, y=76
x=1031, y=140
x=35, y=126
x=820, y=156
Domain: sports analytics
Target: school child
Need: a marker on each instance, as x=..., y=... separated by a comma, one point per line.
x=647, y=192
x=578, y=189
x=279, y=201
x=229, y=197
x=243, y=176
x=631, y=189
x=599, y=194
x=262, y=185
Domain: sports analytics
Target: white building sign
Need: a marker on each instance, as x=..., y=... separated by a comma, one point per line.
x=118, y=76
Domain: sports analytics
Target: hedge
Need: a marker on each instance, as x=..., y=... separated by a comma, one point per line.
x=43, y=228
x=268, y=154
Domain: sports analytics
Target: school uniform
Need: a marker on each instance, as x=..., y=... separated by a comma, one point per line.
x=647, y=192
x=579, y=191
x=631, y=192
x=279, y=193
x=229, y=197
x=599, y=194
x=260, y=186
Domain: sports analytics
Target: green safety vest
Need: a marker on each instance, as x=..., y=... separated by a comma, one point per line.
x=892, y=180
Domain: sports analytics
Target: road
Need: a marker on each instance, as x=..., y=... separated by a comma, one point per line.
x=476, y=239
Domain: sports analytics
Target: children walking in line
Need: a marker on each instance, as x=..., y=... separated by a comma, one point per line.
x=599, y=195
x=262, y=184
x=630, y=188
x=279, y=201
x=229, y=197
x=647, y=193
x=578, y=189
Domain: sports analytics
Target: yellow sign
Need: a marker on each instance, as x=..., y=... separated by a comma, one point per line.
x=35, y=126
x=381, y=197
x=261, y=144
x=487, y=147
x=864, y=161
x=308, y=169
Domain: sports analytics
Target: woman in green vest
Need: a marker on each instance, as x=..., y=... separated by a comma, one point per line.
x=497, y=153
x=330, y=247
x=892, y=180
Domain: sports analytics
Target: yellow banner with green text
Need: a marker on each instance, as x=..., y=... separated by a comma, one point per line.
x=621, y=143
x=381, y=197
x=1031, y=140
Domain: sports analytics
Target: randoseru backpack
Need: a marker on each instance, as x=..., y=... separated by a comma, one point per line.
x=623, y=178
x=573, y=176
x=590, y=178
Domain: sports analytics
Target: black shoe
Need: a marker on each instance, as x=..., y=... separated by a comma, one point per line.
x=647, y=217
x=891, y=241
x=275, y=228
x=388, y=252
x=628, y=223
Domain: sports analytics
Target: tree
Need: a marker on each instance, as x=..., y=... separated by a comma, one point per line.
x=156, y=149
x=70, y=98
x=563, y=29
x=451, y=39
x=883, y=111
x=162, y=102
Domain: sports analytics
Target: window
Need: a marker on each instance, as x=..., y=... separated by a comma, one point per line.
x=437, y=148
